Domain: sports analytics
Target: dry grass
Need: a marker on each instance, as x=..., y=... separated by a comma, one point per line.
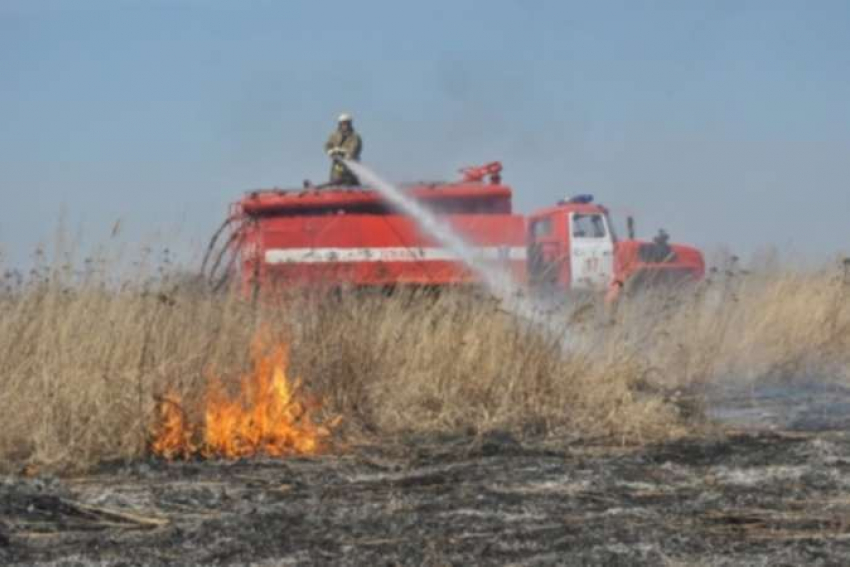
x=82, y=357
x=776, y=324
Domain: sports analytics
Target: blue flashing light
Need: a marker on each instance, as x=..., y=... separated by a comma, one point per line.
x=582, y=199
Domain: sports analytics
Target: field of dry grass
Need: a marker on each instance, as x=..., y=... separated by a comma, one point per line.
x=83, y=357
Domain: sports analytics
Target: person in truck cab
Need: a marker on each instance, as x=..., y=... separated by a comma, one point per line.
x=344, y=143
x=662, y=251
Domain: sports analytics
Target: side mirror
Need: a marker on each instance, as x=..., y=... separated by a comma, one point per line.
x=630, y=227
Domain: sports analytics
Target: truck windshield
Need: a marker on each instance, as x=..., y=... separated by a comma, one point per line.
x=588, y=226
x=541, y=227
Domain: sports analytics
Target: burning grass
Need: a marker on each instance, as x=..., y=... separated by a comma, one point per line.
x=270, y=416
x=85, y=359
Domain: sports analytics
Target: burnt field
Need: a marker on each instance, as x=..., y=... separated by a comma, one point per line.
x=731, y=498
x=420, y=430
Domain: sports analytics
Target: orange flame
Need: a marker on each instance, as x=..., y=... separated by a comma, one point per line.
x=270, y=416
x=174, y=438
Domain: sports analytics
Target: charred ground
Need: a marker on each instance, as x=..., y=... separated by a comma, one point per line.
x=734, y=498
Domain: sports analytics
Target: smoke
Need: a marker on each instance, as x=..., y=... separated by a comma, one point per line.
x=807, y=403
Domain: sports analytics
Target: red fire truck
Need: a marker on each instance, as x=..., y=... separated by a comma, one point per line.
x=321, y=236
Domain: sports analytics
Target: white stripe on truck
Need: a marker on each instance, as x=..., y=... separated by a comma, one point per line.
x=397, y=254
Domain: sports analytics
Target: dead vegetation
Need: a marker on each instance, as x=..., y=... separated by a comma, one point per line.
x=83, y=357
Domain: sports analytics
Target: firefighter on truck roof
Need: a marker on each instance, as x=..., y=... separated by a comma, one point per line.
x=344, y=143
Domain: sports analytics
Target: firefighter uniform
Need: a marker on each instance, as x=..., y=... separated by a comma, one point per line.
x=348, y=142
x=344, y=143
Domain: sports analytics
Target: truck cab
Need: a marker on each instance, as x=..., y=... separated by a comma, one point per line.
x=573, y=246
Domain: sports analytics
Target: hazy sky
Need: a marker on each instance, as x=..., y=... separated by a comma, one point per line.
x=724, y=122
